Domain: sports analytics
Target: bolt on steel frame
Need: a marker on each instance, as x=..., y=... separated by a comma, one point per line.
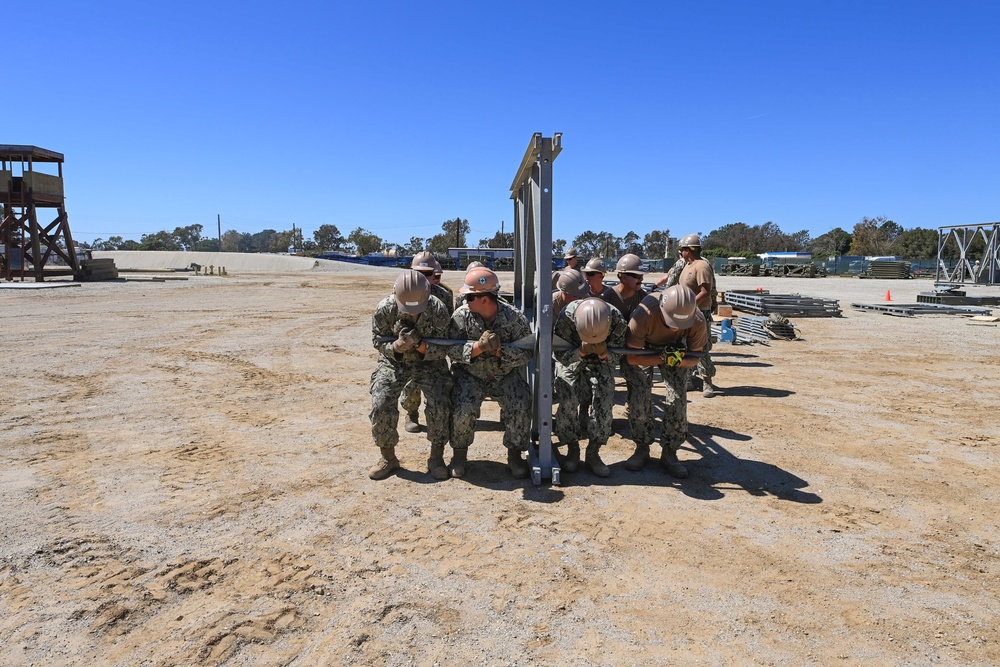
x=961, y=238
x=532, y=195
x=22, y=192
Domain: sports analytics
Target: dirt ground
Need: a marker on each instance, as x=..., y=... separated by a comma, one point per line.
x=183, y=482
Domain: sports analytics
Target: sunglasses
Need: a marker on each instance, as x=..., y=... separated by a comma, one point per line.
x=591, y=274
x=629, y=275
x=469, y=298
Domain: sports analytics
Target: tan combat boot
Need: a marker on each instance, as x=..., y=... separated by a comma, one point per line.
x=386, y=465
x=637, y=461
x=435, y=464
x=710, y=389
x=411, y=423
x=518, y=466
x=668, y=459
x=459, y=459
x=594, y=462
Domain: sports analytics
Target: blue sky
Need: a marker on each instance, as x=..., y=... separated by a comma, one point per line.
x=396, y=116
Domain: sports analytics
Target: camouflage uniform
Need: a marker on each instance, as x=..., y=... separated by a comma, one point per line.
x=502, y=378
x=410, y=401
x=429, y=371
x=590, y=376
x=638, y=379
x=675, y=424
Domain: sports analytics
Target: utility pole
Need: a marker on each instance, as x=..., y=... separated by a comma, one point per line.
x=218, y=218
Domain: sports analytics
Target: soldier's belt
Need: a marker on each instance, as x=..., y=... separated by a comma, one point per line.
x=558, y=345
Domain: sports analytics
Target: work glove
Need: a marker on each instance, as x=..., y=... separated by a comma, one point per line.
x=600, y=349
x=403, y=344
x=411, y=337
x=400, y=326
x=489, y=343
x=672, y=357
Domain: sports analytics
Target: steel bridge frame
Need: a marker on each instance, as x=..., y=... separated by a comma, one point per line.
x=532, y=195
x=965, y=272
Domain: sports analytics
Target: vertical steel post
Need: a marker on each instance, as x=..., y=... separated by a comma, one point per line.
x=532, y=195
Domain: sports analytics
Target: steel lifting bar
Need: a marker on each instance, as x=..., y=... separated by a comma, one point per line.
x=985, y=271
x=532, y=195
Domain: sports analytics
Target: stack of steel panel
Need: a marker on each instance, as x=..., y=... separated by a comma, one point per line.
x=889, y=269
x=765, y=328
x=715, y=330
x=911, y=309
x=789, y=305
x=957, y=298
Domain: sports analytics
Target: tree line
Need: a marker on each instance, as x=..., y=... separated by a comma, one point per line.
x=869, y=237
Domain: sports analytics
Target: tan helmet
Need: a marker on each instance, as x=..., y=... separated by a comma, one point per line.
x=573, y=283
x=480, y=280
x=438, y=271
x=690, y=241
x=570, y=253
x=630, y=264
x=424, y=262
x=595, y=264
x=593, y=320
x=679, y=307
x=473, y=265
x=411, y=291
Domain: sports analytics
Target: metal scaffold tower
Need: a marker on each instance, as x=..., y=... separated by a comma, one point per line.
x=977, y=248
x=532, y=195
x=27, y=245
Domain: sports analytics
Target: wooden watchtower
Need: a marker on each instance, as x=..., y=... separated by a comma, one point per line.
x=27, y=245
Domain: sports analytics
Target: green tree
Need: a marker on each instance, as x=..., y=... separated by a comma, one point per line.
x=499, y=240
x=453, y=235
x=364, y=241
x=206, y=245
x=262, y=241
x=233, y=241
x=835, y=242
x=917, y=243
x=188, y=237
x=558, y=247
x=328, y=237
x=655, y=243
x=630, y=244
x=161, y=240
x=874, y=236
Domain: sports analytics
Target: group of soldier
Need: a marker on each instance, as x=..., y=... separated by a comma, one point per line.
x=597, y=329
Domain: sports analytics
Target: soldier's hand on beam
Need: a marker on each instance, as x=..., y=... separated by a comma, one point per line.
x=489, y=343
x=402, y=344
x=411, y=337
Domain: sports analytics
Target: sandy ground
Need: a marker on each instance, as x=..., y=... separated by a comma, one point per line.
x=183, y=482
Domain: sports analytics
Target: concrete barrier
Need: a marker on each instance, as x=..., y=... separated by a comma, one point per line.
x=235, y=262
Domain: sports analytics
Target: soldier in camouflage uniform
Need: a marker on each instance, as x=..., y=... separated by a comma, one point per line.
x=699, y=277
x=667, y=321
x=590, y=326
x=409, y=315
x=481, y=367
x=425, y=263
x=705, y=368
x=625, y=296
x=570, y=287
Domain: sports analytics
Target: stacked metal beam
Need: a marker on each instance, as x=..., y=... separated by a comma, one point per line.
x=715, y=331
x=764, y=329
x=912, y=309
x=789, y=305
x=888, y=269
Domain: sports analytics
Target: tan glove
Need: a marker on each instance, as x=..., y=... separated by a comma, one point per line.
x=412, y=338
x=403, y=344
x=489, y=343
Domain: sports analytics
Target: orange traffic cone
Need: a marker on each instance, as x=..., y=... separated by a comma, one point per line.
x=888, y=296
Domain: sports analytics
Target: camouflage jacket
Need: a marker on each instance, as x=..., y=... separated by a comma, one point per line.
x=510, y=325
x=445, y=297
x=566, y=329
x=432, y=323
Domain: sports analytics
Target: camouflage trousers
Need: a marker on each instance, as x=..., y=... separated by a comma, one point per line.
x=410, y=400
x=387, y=383
x=705, y=367
x=675, y=425
x=638, y=384
x=511, y=392
x=594, y=383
